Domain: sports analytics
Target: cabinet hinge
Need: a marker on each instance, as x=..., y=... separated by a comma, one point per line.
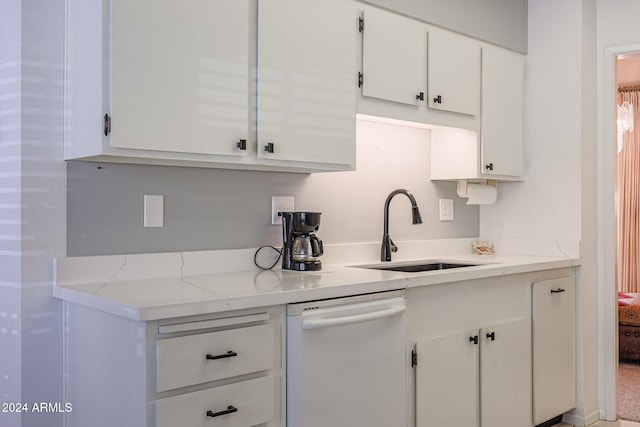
x=107, y=124
x=414, y=358
x=360, y=79
x=360, y=24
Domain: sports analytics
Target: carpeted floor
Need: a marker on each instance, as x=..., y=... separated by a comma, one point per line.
x=629, y=391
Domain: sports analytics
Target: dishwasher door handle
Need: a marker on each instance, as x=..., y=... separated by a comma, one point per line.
x=356, y=318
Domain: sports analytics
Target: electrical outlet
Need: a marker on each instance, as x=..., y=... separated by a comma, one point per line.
x=446, y=209
x=153, y=210
x=280, y=204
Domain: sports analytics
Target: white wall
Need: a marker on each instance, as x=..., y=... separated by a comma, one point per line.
x=32, y=205
x=502, y=22
x=547, y=203
x=10, y=227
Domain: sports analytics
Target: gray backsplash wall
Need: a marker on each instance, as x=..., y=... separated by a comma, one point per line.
x=229, y=209
x=502, y=22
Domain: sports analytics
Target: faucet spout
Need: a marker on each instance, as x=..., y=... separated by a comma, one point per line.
x=388, y=247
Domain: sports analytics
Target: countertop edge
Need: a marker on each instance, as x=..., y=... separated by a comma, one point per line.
x=393, y=281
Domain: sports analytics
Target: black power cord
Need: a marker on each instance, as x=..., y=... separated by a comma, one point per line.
x=255, y=257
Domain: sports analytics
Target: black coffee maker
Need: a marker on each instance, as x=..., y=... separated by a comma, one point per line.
x=300, y=246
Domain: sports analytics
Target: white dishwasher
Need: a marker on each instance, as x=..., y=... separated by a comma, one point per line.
x=346, y=362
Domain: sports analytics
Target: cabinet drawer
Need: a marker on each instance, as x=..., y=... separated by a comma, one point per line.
x=200, y=358
x=243, y=404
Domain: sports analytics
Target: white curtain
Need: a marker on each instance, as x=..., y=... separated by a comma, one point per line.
x=628, y=192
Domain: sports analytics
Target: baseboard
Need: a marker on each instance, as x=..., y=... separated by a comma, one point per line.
x=580, y=421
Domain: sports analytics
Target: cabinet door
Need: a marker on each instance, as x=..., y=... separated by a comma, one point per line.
x=179, y=75
x=394, y=57
x=502, y=112
x=447, y=381
x=554, y=370
x=505, y=369
x=454, y=72
x=307, y=81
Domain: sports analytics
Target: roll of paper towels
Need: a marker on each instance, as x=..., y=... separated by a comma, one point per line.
x=481, y=194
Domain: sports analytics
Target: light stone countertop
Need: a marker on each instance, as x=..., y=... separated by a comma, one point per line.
x=167, y=285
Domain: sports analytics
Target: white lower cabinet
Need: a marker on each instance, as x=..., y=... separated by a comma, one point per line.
x=505, y=372
x=448, y=381
x=221, y=369
x=195, y=359
x=496, y=351
x=482, y=376
x=554, y=356
x=242, y=404
x=478, y=352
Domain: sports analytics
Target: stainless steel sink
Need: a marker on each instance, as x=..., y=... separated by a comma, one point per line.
x=418, y=267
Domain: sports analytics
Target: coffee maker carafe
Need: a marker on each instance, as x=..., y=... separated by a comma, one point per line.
x=301, y=248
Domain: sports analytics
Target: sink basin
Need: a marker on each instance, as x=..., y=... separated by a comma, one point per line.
x=418, y=267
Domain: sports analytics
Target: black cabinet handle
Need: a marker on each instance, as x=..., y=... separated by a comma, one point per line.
x=438, y=99
x=107, y=124
x=557, y=291
x=222, y=356
x=420, y=96
x=491, y=336
x=474, y=339
x=269, y=147
x=230, y=410
x=242, y=144
x=489, y=167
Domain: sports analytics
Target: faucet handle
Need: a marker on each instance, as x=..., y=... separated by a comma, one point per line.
x=394, y=248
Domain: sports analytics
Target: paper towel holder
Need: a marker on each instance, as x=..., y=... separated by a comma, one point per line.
x=463, y=186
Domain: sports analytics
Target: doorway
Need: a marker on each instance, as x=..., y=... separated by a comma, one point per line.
x=626, y=195
x=621, y=68
x=606, y=233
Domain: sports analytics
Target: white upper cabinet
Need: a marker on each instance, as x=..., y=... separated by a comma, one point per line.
x=415, y=72
x=502, y=120
x=470, y=91
x=454, y=72
x=394, y=63
x=496, y=151
x=180, y=75
x=306, y=81
x=178, y=83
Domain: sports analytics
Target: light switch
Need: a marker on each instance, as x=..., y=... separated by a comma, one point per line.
x=446, y=209
x=153, y=210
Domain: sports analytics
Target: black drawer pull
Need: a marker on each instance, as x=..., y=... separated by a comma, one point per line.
x=474, y=339
x=230, y=410
x=222, y=356
x=557, y=291
x=491, y=336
